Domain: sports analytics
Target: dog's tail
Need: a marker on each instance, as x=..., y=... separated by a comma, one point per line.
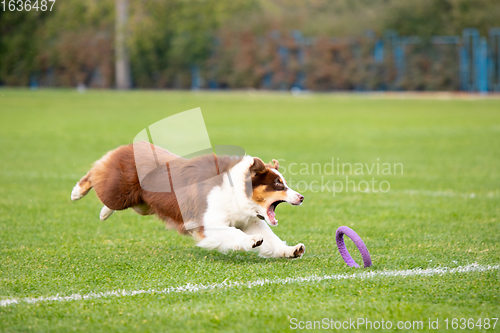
x=81, y=188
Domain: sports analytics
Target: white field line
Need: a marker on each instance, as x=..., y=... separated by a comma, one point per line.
x=448, y=193
x=42, y=175
x=256, y=283
x=313, y=188
x=451, y=194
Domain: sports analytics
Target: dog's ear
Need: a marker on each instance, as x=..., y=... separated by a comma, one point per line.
x=257, y=167
x=276, y=164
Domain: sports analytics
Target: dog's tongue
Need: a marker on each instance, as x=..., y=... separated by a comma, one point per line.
x=272, y=215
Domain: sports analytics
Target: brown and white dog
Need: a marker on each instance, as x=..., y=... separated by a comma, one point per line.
x=231, y=211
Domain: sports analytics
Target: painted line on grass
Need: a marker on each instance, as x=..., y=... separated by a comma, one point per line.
x=449, y=194
x=40, y=175
x=444, y=193
x=256, y=283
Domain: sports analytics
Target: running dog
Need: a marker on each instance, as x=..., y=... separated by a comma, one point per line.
x=225, y=202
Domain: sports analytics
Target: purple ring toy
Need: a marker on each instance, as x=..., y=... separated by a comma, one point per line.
x=341, y=231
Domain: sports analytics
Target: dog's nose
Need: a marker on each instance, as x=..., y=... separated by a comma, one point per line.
x=301, y=198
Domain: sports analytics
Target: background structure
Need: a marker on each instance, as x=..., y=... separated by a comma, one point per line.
x=315, y=45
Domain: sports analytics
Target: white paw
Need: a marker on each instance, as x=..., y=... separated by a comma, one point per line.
x=297, y=251
x=105, y=213
x=75, y=194
x=257, y=240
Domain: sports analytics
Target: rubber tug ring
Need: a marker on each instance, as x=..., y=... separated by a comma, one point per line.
x=339, y=237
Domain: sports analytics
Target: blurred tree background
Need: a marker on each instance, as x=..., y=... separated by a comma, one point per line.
x=74, y=44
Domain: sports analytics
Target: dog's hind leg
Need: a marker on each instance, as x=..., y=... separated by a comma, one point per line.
x=81, y=188
x=105, y=213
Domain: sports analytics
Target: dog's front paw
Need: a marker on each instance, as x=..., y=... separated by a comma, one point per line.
x=257, y=240
x=297, y=251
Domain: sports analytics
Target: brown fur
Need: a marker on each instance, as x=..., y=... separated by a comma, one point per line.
x=143, y=177
x=85, y=185
x=267, y=186
x=115, y=180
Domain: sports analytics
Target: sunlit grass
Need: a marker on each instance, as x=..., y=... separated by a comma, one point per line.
x=50, y=245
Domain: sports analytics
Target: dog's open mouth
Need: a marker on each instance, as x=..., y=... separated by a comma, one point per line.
x=271, y=212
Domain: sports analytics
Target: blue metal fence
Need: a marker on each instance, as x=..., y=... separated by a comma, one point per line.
x=494, y=59
x=476, y=58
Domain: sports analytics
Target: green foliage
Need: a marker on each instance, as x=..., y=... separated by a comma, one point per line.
x=169, y=37
x=76, y=40
x=20, y=44
x=442, y=17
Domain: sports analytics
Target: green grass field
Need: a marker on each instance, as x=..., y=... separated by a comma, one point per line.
x=443, y=211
